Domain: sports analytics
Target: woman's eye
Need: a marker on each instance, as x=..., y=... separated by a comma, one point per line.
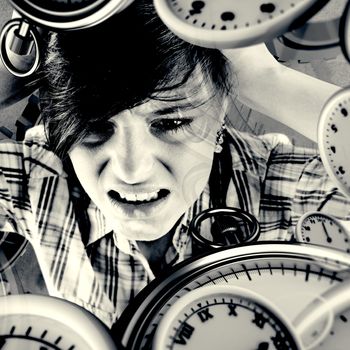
x=98, y=135
x=171, y=125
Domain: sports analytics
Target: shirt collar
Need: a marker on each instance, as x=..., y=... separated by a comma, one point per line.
x=99, y=226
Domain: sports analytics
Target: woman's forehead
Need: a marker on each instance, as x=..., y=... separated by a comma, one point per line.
x=194, y=93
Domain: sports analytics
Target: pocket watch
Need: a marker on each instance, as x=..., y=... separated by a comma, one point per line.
x=228, y=24
x=47, y=323
x=319, y=228
x=333, y=138
x=216, y=316
x=294, y=279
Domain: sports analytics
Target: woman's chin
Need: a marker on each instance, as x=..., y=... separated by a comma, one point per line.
x=147, y=228
x=141, y=232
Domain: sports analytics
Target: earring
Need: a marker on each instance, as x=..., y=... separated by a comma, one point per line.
x=220, y=138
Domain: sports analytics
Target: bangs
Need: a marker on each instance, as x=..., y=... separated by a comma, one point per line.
x=94, y=74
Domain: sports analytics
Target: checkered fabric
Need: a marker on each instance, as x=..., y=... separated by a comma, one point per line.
x=100, y=270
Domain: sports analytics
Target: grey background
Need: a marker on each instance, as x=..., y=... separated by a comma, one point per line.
x=334, y=70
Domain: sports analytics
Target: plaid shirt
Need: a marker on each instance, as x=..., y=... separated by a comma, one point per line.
x=100, y=270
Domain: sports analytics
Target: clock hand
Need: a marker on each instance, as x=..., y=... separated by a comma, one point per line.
x=329, y=238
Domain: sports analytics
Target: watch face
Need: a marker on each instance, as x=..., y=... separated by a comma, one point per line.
x=221, y=315
x=333, y=135
x=291, y=277
x=68, y=14
x=230, y=23
x=47, y=323
x=63, y=6
x=322, y=229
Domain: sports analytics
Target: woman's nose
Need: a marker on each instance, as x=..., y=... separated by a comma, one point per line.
x=133, y=157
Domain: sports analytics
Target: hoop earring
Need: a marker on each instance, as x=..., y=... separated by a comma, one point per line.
x=220, y=138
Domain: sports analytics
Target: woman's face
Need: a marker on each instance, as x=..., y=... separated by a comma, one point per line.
x=147, y=165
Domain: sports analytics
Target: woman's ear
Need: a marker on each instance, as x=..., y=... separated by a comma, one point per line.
x=225, y=105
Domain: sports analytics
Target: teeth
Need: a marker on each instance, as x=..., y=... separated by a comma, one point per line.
x=133, y=197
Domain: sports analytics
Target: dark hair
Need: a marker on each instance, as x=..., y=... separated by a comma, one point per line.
x=93, y=74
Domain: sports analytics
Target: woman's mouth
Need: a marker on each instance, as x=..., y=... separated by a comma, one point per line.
x=140, y=203
x=138, y=198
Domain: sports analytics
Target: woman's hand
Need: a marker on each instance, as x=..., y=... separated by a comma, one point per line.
x=291, y=97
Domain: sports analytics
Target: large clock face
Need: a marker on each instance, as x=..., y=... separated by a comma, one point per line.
x=221, y=315
x=304, y=286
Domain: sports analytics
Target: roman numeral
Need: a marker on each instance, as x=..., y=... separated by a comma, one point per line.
x=184, y=334
x=259, y=320
x=232, y=308
x=204, y=315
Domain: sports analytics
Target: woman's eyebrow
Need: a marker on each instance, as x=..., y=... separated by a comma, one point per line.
x=175, y=109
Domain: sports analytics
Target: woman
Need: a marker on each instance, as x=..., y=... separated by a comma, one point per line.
x=133, y=144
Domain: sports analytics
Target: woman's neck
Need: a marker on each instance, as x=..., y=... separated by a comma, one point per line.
x=154, y=251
